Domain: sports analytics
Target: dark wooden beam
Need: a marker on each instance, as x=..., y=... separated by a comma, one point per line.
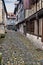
x=38, y=28
x=34, y=1
x=37, y=19
x=4, y=6
x=42, y=30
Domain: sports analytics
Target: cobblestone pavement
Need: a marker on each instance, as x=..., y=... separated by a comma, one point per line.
x=16, y=49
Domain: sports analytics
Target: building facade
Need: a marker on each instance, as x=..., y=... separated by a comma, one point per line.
x=34, y=18
x=0, y=11
x=20, y=16
x=2, y=19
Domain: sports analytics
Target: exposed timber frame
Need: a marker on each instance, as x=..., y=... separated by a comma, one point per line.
x=4, y=7
x=36, y=16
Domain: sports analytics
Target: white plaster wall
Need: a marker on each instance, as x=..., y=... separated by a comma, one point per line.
x=40, y=27
x=34, y=7
x=21, y=28
x=35, y=27
x=42, y=3
x=0, y=11
x=26, y=13
x=39, y=5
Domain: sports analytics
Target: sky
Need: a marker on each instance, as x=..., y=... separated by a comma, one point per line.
x=10, y=5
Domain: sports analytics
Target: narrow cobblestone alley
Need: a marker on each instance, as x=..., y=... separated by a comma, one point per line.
x=17, y=50
x=21, y=32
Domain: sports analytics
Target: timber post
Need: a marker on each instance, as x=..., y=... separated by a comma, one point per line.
x=38, y=28
x=0, y=58
x=42, y=30
x=37, y=19
x=24, y=29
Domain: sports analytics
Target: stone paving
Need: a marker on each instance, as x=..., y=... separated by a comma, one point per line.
x=16, y=49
